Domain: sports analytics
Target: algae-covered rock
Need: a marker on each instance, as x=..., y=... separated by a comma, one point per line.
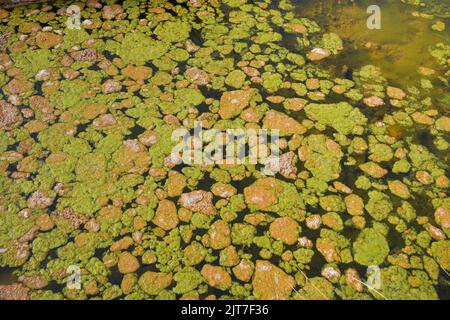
x=137, y=48
x=166, y=215
x=271, y=283
x=440, y=251
x=379, y=205
x=216, y=277
x=370, y=248
x=127, y=263
x=341, y=116
x=173, y=31
x=285, y=229
x=198, y=201
x=233, y=102
x=316, y=288
x=398, y=285
x=322, y=157
x=285, y=124
x=154, y=282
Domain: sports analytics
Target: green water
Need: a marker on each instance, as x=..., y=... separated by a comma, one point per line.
x=399, y=48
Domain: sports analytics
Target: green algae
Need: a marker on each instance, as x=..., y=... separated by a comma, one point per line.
x=370, y=248
x=342, y=116
x=138, y=48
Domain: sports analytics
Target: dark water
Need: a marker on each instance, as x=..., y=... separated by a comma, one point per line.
x=399, y=48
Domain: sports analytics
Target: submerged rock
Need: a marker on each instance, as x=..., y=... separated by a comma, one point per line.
x=14, y=292
x=199, y=201
x=271, y=283
x=10, y=116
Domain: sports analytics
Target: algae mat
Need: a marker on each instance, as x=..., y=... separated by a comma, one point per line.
x=93, y=203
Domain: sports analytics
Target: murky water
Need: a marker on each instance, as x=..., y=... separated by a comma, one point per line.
x=399, y=48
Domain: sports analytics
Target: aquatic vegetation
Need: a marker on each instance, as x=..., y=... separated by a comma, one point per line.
x=88, y=180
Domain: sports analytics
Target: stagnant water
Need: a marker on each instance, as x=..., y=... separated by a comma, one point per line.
x=401, y=49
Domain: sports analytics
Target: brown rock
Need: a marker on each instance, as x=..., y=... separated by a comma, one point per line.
x=139, y=73
x=422, y=118
x=285, y=229
x=435, y=233
x=229, y=257
x=198, y=201
x=331, y=273
x=33, y=282
x=220, y=235
x=328, y=248
x=244, y=270
x=395, y=93
x=111, y=86
x=339, y=186
x=271, y=283
x=298, y=28
x=294, y=104
x=14, y=291
x=318, y=54
x=216, y=277
x=105, y=120
x=47, y=40
x=10, y=116
x=122, y=244
x=233, y=102
x=128, y=283
x=166, y=215
x=197, y=76
x=19, y=86
x=354, y=204
x=260, y=197
x=288, y=168
x=70, y=215
x=110, y=12
x=39, y=200
x=424, y=177
x=223, y=190
x=373, y=169
x=154, y=282
x=442, y=182
x=44, y=222
x=399, y=189
x=40, y=103
x=127, y=263
x=314, y=222
x=442, y=217
x=352, y=279
x=262, y=194
x=89, y=54
x=175, y=184
x=251, y=72
x=282, y=122
x=373, y=102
